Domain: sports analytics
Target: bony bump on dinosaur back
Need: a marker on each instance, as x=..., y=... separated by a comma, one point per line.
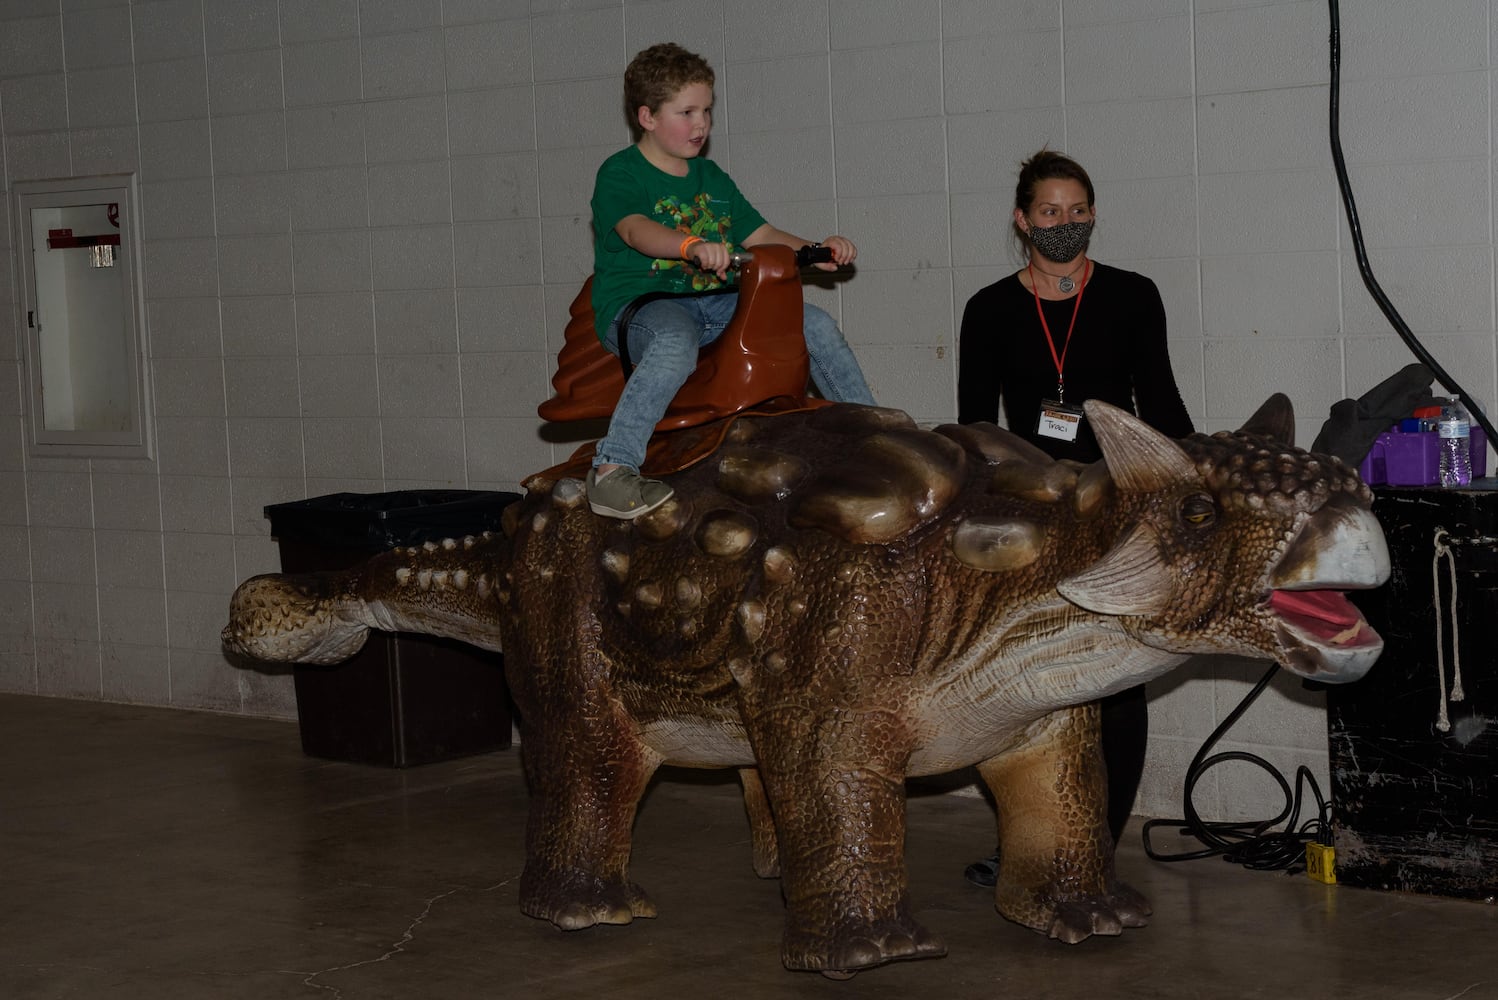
x=836, y=600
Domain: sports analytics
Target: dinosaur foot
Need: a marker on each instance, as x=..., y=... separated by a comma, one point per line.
x=580, y=901
x=1079, y=918
x=844, y=953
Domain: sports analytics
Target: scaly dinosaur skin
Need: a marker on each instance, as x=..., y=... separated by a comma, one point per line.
x=836, y=600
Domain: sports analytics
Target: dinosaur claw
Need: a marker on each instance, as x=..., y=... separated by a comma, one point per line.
x=574, y=905
x=842, y=959
x=858, y=954
x=1102, y=916
x=575, y=917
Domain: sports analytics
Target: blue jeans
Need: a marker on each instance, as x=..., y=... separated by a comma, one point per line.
x=664, y=338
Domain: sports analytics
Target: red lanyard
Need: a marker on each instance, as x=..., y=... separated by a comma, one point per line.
x=1059, y=359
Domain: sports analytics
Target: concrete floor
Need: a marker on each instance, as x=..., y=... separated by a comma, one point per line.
x=161, y=854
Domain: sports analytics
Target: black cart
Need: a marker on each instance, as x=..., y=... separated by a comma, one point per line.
x=1415, y=771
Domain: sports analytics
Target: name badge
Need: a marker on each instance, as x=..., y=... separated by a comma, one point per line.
x=1058, y=420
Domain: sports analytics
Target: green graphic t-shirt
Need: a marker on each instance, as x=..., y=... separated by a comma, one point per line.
x=705, y=203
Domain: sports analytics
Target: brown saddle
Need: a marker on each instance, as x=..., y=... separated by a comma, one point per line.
x=761, y=357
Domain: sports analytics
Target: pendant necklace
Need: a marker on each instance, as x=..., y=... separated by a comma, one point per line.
x=1065, y=285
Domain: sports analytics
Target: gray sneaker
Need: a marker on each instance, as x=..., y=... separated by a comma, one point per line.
x=625, y=494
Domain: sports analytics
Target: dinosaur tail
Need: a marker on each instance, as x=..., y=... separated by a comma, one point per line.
x=446, y=589
x=298, y=618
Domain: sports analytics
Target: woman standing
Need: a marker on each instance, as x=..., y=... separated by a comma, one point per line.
x=1061, y=330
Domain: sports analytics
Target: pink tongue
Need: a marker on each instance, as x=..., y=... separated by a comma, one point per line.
x=1325, y=605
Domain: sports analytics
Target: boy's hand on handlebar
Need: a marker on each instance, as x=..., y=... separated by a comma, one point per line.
x=713, y=257
x=843, y=253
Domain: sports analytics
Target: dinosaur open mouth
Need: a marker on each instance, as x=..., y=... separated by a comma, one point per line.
x=1325, y=617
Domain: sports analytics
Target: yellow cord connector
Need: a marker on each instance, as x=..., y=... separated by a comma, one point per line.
x=1321, y=862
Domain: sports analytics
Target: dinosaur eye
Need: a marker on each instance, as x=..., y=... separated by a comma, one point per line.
x=1198, y=511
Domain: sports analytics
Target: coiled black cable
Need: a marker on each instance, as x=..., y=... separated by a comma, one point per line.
x=1254, y=844
x=1356, y=228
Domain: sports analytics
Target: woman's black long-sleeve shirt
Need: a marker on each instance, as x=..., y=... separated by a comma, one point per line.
x=1118, y=354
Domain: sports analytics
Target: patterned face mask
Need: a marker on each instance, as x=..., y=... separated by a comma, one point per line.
x=1062, y=243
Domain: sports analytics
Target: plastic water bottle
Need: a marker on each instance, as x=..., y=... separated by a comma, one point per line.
x=1456, y=444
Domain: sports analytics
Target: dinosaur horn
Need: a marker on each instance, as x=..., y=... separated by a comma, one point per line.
x=1139, y=457
x=1274, y=419
x=1132, y=579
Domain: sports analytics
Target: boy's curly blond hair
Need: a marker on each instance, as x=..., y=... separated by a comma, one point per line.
x=656, y=75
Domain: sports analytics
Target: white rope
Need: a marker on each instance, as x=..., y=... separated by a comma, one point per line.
x=1443, y=722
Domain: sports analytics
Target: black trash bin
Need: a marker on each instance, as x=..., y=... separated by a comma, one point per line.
x=403, y=699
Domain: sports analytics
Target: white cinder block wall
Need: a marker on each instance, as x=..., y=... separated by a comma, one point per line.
x=364, y=221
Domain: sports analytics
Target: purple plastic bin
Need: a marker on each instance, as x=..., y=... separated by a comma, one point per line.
x=1415, y=459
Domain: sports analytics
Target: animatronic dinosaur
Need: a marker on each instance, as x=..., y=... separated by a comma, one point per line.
x=835, y=600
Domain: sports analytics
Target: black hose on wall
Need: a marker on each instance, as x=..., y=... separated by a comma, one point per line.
x=1364, y=268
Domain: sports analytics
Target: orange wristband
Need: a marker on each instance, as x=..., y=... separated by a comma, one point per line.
x=687, y=244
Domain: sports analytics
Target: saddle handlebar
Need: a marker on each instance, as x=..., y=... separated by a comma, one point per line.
x=805, y=256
